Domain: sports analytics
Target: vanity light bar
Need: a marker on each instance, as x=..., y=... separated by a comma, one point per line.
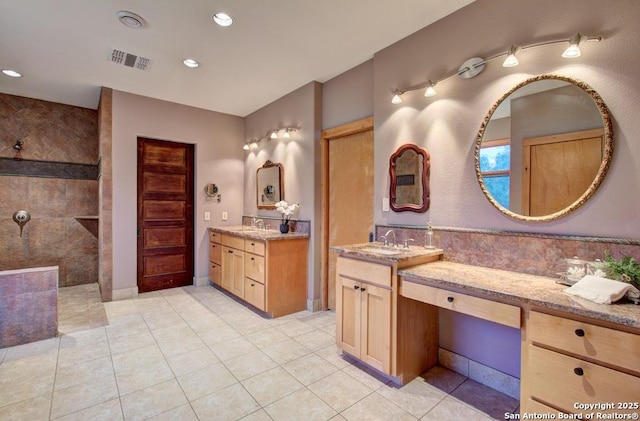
x=270, y=135
x=474, y=66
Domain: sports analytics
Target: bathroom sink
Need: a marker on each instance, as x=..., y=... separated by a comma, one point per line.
x=381, y=250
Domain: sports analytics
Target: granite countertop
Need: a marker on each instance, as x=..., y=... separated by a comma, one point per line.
x=376, y=251
x=521, y=288
x=256, y=234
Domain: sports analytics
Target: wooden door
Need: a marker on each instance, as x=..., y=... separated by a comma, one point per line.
x=348, y=312
x=165, y=215
x=375, y=341
x=558, y=169
x=348, y=212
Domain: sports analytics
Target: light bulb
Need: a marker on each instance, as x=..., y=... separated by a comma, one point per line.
x=396, y=98
x=431, y=91
x=573, y=50
x=274, y=134
x=222, y=19
x=511, y=60
x=286, y=134
x=246, y=147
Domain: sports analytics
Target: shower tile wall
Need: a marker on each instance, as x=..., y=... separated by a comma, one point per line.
x=53, y=236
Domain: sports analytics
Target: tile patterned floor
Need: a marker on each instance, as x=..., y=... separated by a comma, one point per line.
x=195, y=354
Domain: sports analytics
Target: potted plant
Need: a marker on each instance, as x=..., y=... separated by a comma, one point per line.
x=287, y=212
x=626, y=269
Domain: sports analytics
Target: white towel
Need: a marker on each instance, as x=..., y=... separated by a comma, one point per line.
x=602, y=290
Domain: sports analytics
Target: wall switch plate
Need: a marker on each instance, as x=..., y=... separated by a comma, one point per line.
x=225, y=216
x=385, y=204
x=207, y=216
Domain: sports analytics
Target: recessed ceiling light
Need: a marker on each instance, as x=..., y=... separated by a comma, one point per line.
x=222, y=19
x=189, y=62
x=131, y=20
x=11, y=73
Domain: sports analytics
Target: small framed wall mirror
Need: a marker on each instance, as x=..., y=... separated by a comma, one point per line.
x=269, y=185
x=409, y=168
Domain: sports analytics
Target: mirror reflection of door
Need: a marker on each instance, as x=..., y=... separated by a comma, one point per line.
x=558, y=169
x=350, y=193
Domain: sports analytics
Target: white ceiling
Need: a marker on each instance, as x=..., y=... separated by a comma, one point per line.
x=62, y=47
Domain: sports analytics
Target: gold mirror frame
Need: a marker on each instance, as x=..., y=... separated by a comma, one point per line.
x=276, y=185
x=606, y=155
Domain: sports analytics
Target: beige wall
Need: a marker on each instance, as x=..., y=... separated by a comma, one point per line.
x=300, y=157
x=219, y=159
x=348, y=97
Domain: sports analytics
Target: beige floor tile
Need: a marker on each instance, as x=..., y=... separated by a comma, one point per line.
x=120, y=308
x=79, y=354
x=180, y=345
x=259, y=415
x=295, y=328
x=181, y=413
x=85, y=395
x=231, y=403
x=232, y=349
x=339, y=390
x=367, y=376
x=204, y=323
x=285, y=351
x=28, y=368
x=142, y=376
x=47, y=346
x=375, y=407
x=154, y=400
x=139, y=356
x=41, y=385
x=485, y=399
x=300, y=405
x=333, y=354
x=417, y=397
x=129, y=343
x=267, y=337
x=192, y=360
x=34, y=409
x=90, y=337
x=250, y=364
x=3, y=352
x=219, y=334
x=106, y=411
x=271, y=385
x=443, y=378
x=208, y=380
x=321, y=319
x=315, y=340
x=163, y=320
x=310, y=368
x=127, y=325
x=452, y=409
x=86, y=371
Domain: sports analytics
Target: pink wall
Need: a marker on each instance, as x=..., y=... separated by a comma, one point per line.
x=300, y=157
x=348, y=97
x=219, y=159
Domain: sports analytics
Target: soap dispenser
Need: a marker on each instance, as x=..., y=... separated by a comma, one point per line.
x=429, y=237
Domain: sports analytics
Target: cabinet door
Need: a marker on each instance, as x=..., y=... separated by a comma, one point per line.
x=348, y=310
x=227, y=268
x=237, y=286
x=215, y=253
x=375, y=341
x=215, y=273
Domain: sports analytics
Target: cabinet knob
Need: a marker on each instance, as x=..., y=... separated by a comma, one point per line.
x=363, y=289
x=579, y=371
x=356, y=287
x=252, y=285
x=230, y=251
x=450, y=299
x=579, y=332
x=253, y=258
x=253, y=244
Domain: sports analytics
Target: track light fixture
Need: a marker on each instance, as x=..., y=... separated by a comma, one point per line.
x=270, y=135
x=475, y=65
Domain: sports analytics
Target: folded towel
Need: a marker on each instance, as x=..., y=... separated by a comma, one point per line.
x=602, y=290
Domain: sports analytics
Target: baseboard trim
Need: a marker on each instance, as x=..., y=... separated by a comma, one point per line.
x=481, y=373
x=201, y=281
x=124, y=294
x=314, y=305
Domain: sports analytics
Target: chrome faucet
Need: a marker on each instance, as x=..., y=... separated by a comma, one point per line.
x=259, y=222
x=395, y=242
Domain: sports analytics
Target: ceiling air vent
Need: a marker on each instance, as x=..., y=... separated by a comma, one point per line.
x=130, y=60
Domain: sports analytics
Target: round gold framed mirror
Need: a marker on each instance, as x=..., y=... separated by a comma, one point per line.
x=544, y=148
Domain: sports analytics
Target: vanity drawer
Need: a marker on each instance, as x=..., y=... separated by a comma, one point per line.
x=215, y=253
x=373, y=273
x=215, y=273
x=599, y=343
x=255, y=247
x=254, y=267
x=214, y=237
x=561, y=381
x=233, y=241
x=254, y=293
x=478, y=307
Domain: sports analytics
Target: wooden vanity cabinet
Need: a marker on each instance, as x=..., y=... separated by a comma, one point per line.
x=394, y=335
x=269, y=274
x=568, y=361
